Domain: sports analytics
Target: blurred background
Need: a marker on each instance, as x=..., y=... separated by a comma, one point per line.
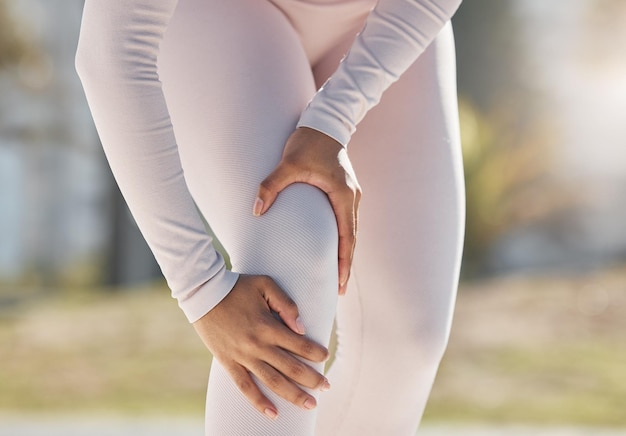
x=86, y=323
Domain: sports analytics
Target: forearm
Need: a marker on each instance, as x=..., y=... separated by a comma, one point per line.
x=396, y=33
x=116, y=61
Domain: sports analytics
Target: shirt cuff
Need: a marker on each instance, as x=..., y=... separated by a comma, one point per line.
x=208, y=295
x=326, y=123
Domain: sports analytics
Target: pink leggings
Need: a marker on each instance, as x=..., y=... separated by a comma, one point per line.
x=236, y=75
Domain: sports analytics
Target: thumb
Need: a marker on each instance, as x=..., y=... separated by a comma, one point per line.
x=269, y=188
x=284, y=306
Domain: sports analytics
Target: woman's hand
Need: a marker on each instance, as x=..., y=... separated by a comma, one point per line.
x=245, y=337
x=315, y=158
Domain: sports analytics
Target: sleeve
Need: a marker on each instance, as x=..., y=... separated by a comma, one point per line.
x=116, y=62
x=396, y=32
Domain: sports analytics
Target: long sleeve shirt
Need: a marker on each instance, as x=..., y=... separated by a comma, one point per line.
x=117, y=63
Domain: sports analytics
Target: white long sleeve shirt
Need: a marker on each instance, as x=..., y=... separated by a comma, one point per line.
x=117, y=63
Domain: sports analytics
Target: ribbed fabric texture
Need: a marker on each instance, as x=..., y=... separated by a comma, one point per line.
x=236, y=77
x=395, y=34
x=116, y=61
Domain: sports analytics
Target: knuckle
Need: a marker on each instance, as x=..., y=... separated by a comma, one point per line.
x=289, y=162
x=291, y=305
x=265, y=327
x=268, y=185
x=266, y=280
x=296, y=369
x=270, y=378
x=307, y=348
x=246, y=351
x=346, y=247
x=273, y=381
x=251, y=342
x=245, y=385
x=299, y=398
x=320, y=380
x=346, y=194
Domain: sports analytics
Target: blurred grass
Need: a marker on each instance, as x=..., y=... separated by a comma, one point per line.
x=581, y=385
x=540, y=350
x=127, y=352
x=532, y=350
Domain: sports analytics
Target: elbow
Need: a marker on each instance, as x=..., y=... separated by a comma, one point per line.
x=100, y=56
x=447, y=7
x=83, y=63
x=118, y=62
x=99, y=46
x=119, y=43
x=90, y=61
x=451, y=6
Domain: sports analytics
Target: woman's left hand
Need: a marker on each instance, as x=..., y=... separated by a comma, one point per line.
x=315, y=158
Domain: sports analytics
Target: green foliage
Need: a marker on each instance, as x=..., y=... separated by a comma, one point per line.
x=14, y=45
x=508, y=178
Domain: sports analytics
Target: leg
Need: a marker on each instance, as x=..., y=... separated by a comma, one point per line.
x=394, y=322
x=236, y=79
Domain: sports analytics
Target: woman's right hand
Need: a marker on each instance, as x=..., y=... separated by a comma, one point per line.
x=246, y=338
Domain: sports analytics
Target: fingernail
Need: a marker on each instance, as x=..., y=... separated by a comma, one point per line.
x=309, y=404
x=300, y=325
x=271, y=413
x=325, y=386
x=343, y=279
x=258, y=207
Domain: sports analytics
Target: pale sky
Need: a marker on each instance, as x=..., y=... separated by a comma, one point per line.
x=582, y=69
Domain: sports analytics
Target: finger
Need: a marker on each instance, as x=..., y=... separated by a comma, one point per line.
x=283, y=387
x=296, y=370
x=344, y=212
x=357, y=199
x=269, y=188
x=248, y=387
x=284, y=306
x=357, y=202
x=298, y=345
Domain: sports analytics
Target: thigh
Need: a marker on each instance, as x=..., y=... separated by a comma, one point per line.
x=236, y=80
x=396, y=316
x=407, y=156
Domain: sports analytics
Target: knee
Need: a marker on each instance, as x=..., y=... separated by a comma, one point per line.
x=430, y=342
x=298, y=232
x=299, y=252
x=421, y=339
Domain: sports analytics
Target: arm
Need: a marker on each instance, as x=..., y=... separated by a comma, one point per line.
x=116, y=61
x=396, y=32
